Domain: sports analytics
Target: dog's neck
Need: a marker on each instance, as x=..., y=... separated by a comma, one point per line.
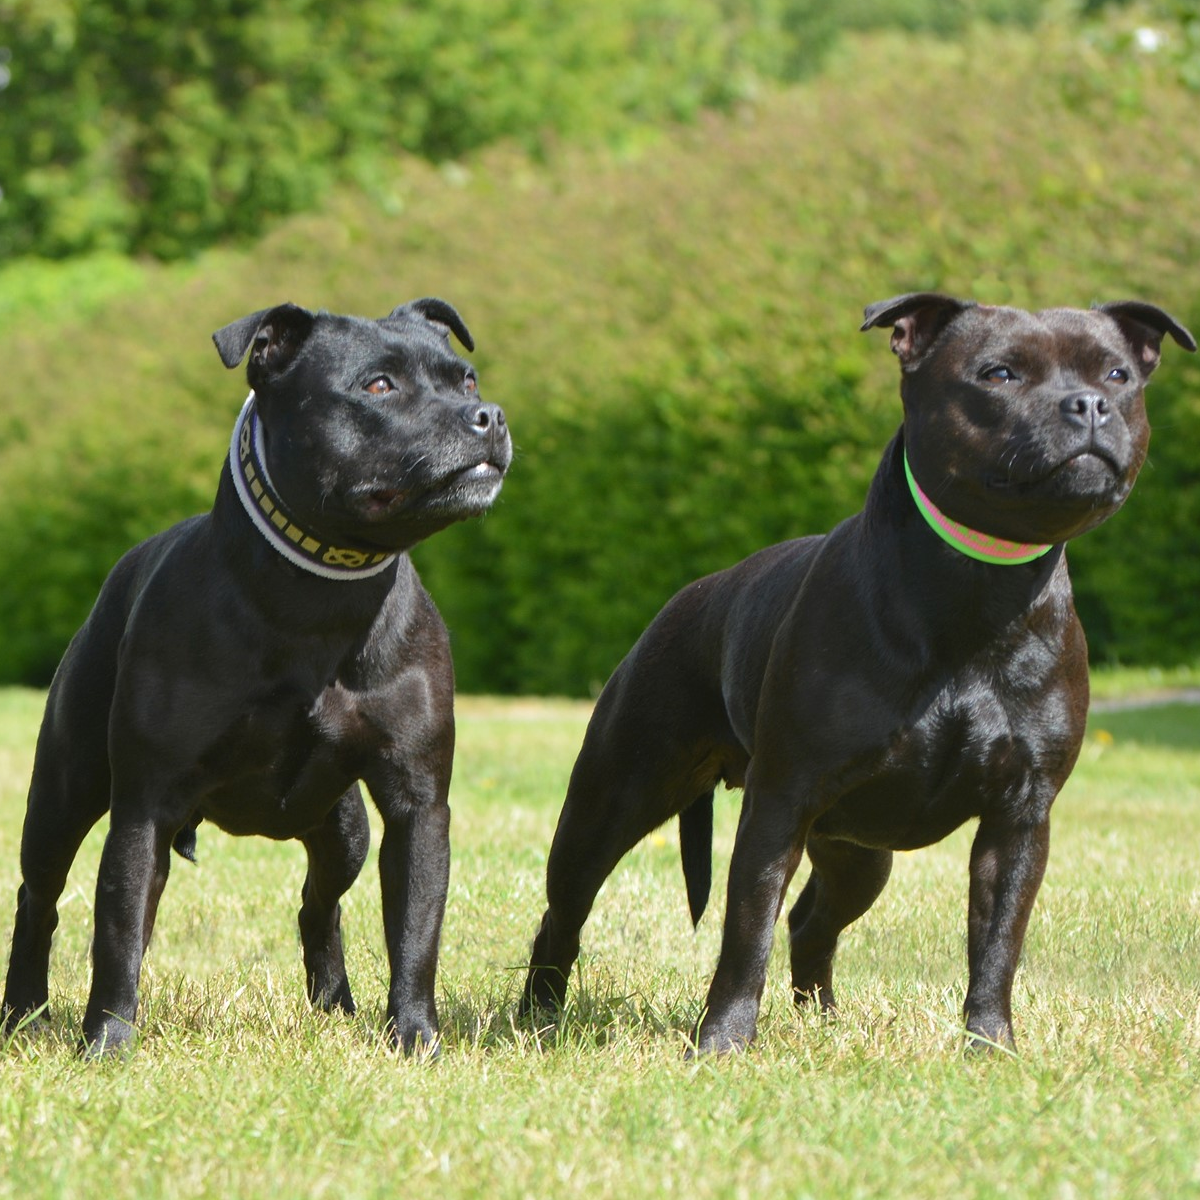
x=270, y=516
x=980, y=546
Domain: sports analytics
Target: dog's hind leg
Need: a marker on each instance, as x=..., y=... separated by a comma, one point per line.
x=658, y=741
x=60, y=813
x=336, y=853
x=846, y=879
x=611, y=805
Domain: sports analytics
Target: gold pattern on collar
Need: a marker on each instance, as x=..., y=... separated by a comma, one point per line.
x=324, y=558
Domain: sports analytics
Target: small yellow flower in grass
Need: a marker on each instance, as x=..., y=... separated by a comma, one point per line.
x=658, y=840
x=1103, y=738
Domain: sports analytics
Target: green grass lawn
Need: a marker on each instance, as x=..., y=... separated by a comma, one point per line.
x=238, y=1090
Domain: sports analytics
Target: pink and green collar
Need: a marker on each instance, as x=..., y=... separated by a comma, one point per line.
x=980, y=546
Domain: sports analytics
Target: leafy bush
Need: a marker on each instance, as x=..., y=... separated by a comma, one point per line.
x=63, y=538
x=674, y=336
x=162, y=126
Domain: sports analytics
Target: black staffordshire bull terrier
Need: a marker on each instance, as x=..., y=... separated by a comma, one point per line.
x=872, y=690
x=248, y=667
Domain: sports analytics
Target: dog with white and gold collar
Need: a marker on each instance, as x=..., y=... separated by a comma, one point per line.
x=251, y=666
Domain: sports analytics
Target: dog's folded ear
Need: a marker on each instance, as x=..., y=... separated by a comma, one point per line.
x=917, y=318
x=275, y=333
x=442, y=316
x=1144, y=326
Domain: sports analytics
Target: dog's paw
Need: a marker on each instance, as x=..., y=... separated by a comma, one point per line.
x=332, y=998
x=545, y=992
x=820, y=994
x=424, y=1045
x=715, y=1045
x=730, y=1032
x=415, y=1037
x=985, y=1035
x=112, y=1038
x=19, y=1018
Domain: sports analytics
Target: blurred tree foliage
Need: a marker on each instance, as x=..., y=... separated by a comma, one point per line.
x=163, y=126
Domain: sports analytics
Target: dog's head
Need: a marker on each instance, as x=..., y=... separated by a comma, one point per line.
x=1026, y=426
x=374, y=430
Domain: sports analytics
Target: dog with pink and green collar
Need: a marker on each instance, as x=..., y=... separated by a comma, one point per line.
x=875, y=688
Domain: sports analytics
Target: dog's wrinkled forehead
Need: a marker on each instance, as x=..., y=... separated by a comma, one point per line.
x=347, y=346
x=287, y=337
x=1040, y=342
x=926, y=324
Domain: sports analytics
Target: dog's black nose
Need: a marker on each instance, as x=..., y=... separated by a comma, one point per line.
x=483, y=417
x=1089, y=409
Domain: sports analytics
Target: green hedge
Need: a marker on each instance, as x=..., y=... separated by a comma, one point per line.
x=674, y=335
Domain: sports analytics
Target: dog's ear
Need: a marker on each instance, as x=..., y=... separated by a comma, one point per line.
x=1144, y=326
x=442, y=316
x=916, y=319
x=273, y=336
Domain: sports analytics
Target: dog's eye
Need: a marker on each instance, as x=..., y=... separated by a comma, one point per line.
x=997, y=375
x=470, y=382
x=1118, y=375
x=380, y=386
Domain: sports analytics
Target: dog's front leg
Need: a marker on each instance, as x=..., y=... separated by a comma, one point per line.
x=133, y=872
x=766, y=852
x=414, y=872
x=1007, y=864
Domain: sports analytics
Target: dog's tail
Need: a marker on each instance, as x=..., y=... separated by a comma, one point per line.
x=695, y=851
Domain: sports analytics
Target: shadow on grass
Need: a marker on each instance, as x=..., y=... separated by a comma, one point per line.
x=598, y=1012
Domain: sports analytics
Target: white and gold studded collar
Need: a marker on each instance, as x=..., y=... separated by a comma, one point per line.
x=300, y=546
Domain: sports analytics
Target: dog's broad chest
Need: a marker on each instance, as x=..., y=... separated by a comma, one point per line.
x=270, y=760
x=280, y=762
x=969, y=751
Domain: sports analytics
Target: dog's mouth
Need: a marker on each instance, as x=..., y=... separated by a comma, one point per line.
x=484, y=471
x=378, y=501
x=1056, y=501
x=1087, y=472
x=469, y=489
